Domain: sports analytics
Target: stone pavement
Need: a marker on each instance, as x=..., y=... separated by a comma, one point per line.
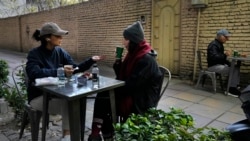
x=207, y=108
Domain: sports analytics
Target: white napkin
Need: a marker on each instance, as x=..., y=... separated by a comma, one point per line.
x=46, y=81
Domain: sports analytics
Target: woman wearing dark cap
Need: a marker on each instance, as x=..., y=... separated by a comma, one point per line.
x=141, y=74
x=43, y=61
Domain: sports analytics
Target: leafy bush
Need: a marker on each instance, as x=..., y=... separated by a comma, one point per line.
x=15, y=101
x=16, y=97
x=4, y=72
x=157, y=125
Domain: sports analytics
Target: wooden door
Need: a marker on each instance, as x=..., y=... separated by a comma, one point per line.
x=165, y=34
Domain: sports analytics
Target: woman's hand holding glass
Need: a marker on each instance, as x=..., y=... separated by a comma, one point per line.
x=68, y=69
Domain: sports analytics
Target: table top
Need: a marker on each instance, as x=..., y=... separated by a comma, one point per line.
x=72, y=91
x=239, y=58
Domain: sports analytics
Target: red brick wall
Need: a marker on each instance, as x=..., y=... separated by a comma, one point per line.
x=95, y=27
x=9, y=29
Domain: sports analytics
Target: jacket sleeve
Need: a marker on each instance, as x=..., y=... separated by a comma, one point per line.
x=85, y=65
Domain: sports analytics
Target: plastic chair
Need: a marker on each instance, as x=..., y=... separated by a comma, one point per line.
x=204, y=73
x=165, y=80
x=30, y=115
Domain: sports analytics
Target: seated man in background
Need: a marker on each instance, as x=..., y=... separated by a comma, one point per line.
x=217, y=60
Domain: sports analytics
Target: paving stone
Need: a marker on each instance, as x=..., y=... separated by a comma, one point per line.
x=189, y=97
x=218, y=125
x=204, y=111
x=3, y=138
x=211, y=102
x=14, y=137
x=229, y=117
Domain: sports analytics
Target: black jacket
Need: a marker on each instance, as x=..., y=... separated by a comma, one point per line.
x=143, y=85
x=215, y=54
x=44, y=63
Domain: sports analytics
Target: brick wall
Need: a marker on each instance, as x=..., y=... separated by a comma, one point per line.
x=95, y=27
x=188, y=38
x=9, y=29
x=230, y=14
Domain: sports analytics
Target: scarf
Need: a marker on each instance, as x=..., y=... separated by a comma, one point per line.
x=132, y=58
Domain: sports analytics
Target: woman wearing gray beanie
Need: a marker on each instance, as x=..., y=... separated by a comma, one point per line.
x=141, y=74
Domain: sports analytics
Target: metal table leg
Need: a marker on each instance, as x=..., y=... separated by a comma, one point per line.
x=113, y=106
x=231, y=70
x=74, y=120
x=44, y=116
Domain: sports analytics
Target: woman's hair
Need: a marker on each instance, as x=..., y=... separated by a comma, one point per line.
x=132, y=46
x=36, y=36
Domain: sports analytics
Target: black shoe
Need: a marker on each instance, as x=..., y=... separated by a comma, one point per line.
x=95, y=138
x=233, y=91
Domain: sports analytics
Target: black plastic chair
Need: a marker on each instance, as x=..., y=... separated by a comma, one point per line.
x=30, y=115
x=204, y=73
x=165, y=80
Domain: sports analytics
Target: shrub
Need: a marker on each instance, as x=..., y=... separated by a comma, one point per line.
x=17, y=97
x=157, y=125
x=4, y=72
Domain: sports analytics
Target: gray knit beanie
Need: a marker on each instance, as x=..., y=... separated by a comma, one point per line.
x=134, y=32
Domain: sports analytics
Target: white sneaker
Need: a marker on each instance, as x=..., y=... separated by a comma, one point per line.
x=66, y=138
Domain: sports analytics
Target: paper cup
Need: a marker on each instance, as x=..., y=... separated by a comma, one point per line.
x=119, y=51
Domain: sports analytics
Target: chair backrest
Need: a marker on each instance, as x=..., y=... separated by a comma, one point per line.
x=199, y=59
x=165, y=80
x=20, y=77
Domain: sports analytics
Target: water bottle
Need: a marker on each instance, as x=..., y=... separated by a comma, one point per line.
x=61, y=76
x=95, y=76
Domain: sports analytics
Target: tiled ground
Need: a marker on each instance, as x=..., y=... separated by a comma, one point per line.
x=208, y=109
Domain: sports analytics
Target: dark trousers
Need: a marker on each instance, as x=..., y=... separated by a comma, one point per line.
x=102, y=111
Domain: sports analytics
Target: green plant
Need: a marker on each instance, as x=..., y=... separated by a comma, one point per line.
x=4, y=72
x=15, y=101
x=157, y=125
x=17, y=97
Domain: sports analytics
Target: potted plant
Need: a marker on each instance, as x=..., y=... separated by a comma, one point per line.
x=157, y=125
